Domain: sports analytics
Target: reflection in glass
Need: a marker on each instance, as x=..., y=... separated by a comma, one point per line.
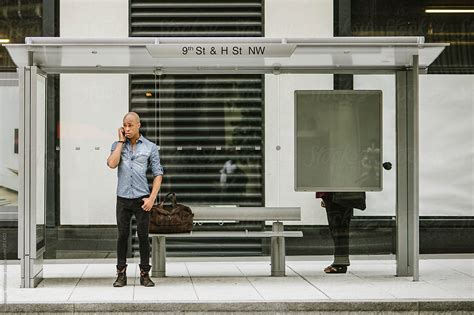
x=209, y=129
x=9, y=123
x=40, y=107
x=9, y=160
x=408, y=18
x=19, y=19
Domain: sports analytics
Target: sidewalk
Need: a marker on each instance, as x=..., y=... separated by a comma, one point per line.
x=243, y=282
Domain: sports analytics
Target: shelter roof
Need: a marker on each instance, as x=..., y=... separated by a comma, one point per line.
x=223, y=54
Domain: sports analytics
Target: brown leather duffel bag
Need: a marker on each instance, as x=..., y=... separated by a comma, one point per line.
x=174, y=218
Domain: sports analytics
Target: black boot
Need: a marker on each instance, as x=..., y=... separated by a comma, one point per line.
x=145, y=279
x=121, y=277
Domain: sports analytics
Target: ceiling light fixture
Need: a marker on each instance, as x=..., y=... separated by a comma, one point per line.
x=4, y=40
x=449, y=11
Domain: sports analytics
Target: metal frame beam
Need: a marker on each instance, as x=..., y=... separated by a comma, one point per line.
x=224, y=70
x=31, y=259
x=407, y=156
x=407, y=247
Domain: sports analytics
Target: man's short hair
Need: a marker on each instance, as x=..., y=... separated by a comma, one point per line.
x=135, y=115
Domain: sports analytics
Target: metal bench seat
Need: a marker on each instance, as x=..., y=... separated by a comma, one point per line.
x=222, y=214
x=231, y=234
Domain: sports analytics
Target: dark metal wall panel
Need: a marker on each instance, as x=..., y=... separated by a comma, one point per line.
x=196, y=18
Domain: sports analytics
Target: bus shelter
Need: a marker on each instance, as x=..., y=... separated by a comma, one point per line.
x=404, y=57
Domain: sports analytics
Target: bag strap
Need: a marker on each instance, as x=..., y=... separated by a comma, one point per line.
x=163, y=211
x=173, y=199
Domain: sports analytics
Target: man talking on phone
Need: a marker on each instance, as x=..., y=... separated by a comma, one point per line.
x=133, y=154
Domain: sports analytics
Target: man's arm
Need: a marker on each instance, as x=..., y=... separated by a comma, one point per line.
x=114, y=158
x=148, y=202
x=157, y=171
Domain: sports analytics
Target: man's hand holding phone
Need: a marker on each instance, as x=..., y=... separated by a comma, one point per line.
x=121, y=134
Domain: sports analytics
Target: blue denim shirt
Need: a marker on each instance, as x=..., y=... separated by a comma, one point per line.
x=132, y=181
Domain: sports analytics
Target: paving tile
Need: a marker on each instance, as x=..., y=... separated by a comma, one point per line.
x=177, y=269
x=37, y=295
x=173, y=269
x=263, y=269
x=286, y=288
x=460, y=289
x=64, y=270
x=464, y=266
x=415, y=290
x=213, y=269
x=347, y=286
x=167, y=289
x=65, y=283
x=406, y=288
x=308, y=268
x=225, y=289
x=370, y=269
x=100, y=289
x=105, y=270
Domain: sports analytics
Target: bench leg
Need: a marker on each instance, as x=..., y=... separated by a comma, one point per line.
x=158, y=256
x=278, y=252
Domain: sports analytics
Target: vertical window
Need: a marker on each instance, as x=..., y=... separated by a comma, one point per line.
x=414, y=18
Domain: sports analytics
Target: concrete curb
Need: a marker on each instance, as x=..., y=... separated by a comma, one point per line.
x=401, y=306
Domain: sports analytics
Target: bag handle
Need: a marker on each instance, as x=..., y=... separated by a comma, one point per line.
x=173, y=199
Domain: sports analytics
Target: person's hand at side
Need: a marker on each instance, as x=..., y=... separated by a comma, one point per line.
x=147, y=203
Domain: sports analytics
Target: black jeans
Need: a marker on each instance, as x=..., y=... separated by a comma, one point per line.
x=339, y=219
x=125, y=209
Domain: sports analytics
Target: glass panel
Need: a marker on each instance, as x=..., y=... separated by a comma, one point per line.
x=409, y=18
x=9, y=163
x=40, y=107
x=18, y=20
x=447, y=101
x=383, y=203
x=91, y=108
x=338, y=140
x=209, y=130
x=91, y=111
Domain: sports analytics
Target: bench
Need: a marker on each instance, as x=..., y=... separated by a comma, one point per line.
x=223, y=214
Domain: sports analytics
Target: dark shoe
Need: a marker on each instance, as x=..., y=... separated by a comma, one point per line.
x=335, y=269
x=145, y=280
x=121, y=278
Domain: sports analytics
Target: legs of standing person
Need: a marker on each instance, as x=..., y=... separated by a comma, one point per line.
x=339, y=219
x=124, y=216
x=125, y=209
x=143, y=221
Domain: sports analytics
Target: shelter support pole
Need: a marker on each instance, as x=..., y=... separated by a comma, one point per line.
x=158, y=256
x=407, y=247
x=31, y=261
x=277, y=252
x=24, y=79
